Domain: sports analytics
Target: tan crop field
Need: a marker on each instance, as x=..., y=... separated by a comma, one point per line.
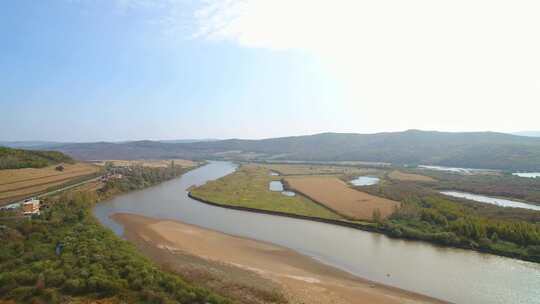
x=288, y=169
x=335, y=194
x=158, y=163
x=410, y=177
x=20, y=183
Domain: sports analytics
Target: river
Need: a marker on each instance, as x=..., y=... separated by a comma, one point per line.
x=455, y=275
x=501, y=202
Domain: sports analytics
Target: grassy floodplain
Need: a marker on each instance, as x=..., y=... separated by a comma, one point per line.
x=424, y=213
x=287, y=169
x=410, y=177
x=248, y=187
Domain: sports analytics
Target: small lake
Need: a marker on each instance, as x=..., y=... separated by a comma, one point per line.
x=491, y=200
x=527, y=174
x=277, y=186
x=273, y=173
x=455, y=275
x=365, y=181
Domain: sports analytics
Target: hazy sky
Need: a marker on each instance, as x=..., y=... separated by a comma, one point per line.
x=87, y=70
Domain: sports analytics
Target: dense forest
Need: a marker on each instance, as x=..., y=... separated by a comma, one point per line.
x=65, y=254
x=18, y=159
x=427, y=215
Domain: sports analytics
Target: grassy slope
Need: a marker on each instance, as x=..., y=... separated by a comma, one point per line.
x=94, y=263
x=17, y=158
x=248, y=187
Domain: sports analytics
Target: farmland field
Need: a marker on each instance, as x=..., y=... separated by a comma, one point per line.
x=158, y=163
x=20, y=183
x=410, y=177
x=248, y=187
x=336, y=195
x=289, y=169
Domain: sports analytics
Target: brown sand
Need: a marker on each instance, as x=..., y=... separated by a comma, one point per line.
x=302, y=279
x=338, y=196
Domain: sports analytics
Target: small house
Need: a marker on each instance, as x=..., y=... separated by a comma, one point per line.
x=30, y=206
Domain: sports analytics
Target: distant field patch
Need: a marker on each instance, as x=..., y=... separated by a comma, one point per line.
x=336, y=195
x=288, y=169
x=402, y=176
x=20, y=183
x=158, y=163
x=248, y=187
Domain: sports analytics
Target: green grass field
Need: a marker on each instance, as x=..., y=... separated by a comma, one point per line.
x=248, y=187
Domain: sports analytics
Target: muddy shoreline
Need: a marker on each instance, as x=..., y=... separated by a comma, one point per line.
x=251, y=271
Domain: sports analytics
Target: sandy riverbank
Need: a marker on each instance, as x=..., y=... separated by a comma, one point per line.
x=300, y=278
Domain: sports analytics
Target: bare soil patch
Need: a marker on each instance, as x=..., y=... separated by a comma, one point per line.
x=20, y=183
x=337, y=195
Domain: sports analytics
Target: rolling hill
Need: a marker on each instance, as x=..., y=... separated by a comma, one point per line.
x=18, y=159
x=487, y=150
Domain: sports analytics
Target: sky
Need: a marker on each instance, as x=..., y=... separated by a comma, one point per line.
x=110, y=70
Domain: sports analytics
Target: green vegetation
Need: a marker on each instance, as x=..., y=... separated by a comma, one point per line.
x=17, y=158
x=91, y=262
x=425, y=214
x=248, y=187
x=429, y=216
x=505, y=185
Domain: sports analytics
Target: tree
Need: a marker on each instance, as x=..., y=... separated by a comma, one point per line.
x=377, y=218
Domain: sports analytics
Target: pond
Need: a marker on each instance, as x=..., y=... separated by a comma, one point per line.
x=277, y=186
x=365, y=181
x=491, y=200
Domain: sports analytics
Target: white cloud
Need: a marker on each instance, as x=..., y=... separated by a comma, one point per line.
x=457, y=58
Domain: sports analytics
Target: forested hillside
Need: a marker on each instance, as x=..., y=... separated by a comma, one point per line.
x=486, y=150
x=17, y=158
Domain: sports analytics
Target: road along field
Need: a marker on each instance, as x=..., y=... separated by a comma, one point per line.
x=335, y=194
x=17, y=184
x=290, y=169
x=409, y=177
x=248, y=187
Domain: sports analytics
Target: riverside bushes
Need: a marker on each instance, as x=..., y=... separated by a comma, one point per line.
x=65, y=254
x=426, y=215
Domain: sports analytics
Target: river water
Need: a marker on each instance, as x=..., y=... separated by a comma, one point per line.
x=501, y=202
x=454, y=275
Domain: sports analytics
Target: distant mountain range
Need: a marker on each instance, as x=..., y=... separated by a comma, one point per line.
x=29, y=144
x=50, y=144
x=528, y=133
x=488, y=150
